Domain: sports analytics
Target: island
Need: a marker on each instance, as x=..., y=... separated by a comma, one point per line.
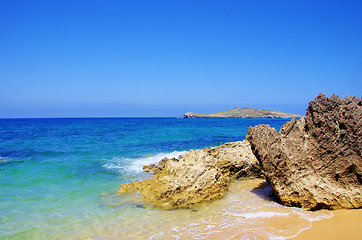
x=243, y=112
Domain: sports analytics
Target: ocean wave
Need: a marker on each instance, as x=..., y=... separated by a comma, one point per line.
x=314, y=216
x=135, y=165
x=6, y=160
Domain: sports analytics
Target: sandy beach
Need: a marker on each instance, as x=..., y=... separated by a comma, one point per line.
x=345, y=224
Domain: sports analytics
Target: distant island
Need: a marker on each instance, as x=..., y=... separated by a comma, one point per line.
x=243, y=112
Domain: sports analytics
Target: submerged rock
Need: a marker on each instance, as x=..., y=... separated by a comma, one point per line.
x=315, y=162
x=199, y=175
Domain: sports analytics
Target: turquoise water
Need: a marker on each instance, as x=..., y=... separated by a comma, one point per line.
x=59, y=177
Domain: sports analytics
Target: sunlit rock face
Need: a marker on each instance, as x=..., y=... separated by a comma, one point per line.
x=315, y=162
x=199, y=175
x=191, y=179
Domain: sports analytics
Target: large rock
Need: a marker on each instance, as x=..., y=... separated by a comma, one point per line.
x=315, y=162
x=191, y=179
x=197, y=176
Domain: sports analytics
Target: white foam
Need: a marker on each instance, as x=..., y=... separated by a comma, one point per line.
x=112, y=166
x=135, y=165
x=261, y=214
x=314, y=216
x=5, y=160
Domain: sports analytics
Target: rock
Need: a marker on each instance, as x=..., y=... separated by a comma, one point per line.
x=156, y=168
x=192, y=179
x=315, y=162
x=189, y=115
x=236, y=160
x=199, y=175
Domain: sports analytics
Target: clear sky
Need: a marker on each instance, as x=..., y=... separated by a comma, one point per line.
x=119, y=58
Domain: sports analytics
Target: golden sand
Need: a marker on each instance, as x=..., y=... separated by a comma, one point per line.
x=345, y=224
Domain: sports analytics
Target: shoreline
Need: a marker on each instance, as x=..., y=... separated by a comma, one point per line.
x=345, y=224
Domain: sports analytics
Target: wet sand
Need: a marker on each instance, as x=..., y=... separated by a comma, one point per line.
x=345, y=224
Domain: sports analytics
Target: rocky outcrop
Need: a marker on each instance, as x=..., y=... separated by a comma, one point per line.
x=191, y=179
x=191, y=115
x=315, y=162
x=197, y=176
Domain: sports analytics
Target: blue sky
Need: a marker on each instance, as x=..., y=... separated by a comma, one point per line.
x=164, y=58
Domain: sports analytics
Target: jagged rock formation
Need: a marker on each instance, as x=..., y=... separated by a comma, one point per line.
x=192, y=179
x=315, y=162
x=198, y=175
x=243, y=112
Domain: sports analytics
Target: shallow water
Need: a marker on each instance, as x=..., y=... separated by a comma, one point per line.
x=248, y=211
x=59, y=178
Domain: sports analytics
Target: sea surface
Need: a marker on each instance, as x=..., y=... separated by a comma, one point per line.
x=59, y=180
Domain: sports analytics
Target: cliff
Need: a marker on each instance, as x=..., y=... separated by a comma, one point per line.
x=243, y=112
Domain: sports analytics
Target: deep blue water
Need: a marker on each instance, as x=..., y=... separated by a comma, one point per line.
x=57, y=175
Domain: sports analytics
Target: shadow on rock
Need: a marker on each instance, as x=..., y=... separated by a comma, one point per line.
x=265, y=191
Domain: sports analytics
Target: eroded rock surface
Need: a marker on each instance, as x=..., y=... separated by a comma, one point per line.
x=236, y=160
x=197, y=176
x=157, y=167
x=191, y=179
x=315, y=162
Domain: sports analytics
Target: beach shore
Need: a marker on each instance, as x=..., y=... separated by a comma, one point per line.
x=345, y=224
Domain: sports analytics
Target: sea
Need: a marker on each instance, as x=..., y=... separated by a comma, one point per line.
x=59, y=179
